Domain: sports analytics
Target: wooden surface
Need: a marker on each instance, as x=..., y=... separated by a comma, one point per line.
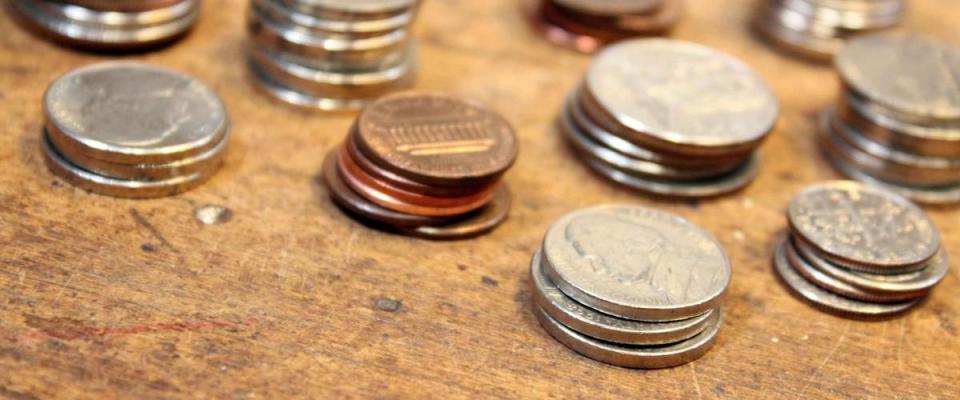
x=110, y=298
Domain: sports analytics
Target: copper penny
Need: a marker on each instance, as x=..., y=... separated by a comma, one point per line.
x=469, y=225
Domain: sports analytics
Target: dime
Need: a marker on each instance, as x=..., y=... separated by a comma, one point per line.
x=636, y=263
x=471, y=224
x=613, y=8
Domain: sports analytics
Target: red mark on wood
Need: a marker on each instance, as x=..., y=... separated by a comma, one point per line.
x=71, y=329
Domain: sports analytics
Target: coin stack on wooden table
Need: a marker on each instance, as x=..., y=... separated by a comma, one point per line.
x=133, y=130
x=587, y=25
x=859, y=251
x=686, y=121
x=817, y=29
x=332, y=54
x=425, y=164
x=109, y=24
x=630, y=286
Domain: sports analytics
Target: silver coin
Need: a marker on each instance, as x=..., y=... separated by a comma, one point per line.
x=828, y=300
x=862, y=227
x=849, y=15
x=595, y=324
x=275, y=11
x=115, y=19
x=281, y=92
x=133, y=113
x=122, y=5
x=350, y=9
x=683, y=97
x=926, y=73
x=898, y=131
x=636, y=263
x=804, y=40
x=612, y=8
x=736, y=180
x=663, y=356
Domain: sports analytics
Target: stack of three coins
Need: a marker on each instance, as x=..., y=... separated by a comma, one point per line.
x=428, y=165
x=630, y=286
x=332, y=54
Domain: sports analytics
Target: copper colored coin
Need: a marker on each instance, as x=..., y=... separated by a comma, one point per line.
x=661, y=19
x=473, y=224
x=436, y=139
x=558, y=34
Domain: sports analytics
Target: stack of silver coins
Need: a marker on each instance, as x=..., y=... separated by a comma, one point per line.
x=109, y=24
x=897, y=123
x=332, y=54
x=859, y=251
x=133, y=130
x=684, y=122
x=817, y=29
x=630, y=286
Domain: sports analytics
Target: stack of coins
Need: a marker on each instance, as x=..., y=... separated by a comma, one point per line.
x=817, y=29
x=684, y=122
x=587, y=25
x=859, y=251
x=630, y=286
x=332, y=54
x=109, y=24
x=133, y=130
x=425, y=164
x=897, y=124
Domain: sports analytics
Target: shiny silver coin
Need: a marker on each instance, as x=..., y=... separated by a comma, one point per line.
x=115, y=19
x=595, y=324
x=636, y=263
x=863, y=228
x=351, y=10
x=827, y=300
x=920, y=65
x=909, y=284
x=274, y=10
x=279, y=91
x=849, y=15
x=122, y=5
x=684, y=97
x=734, y=181
x=663, y=356
x=612, y=8
x=133, y=113
x=896, y=131
x=798, y=36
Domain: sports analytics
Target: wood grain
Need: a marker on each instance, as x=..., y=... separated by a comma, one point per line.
x=112, y=298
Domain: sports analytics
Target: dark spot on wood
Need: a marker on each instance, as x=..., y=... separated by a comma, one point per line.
x=14, y=395
x=145, y=223
x=461, y=267
x=719, y=390
x=163, y=385
x=148, y=248
x=388, y=304
x=55, y=345
x=488, y=281
x=693, y=203
x=788, y=176
x=56, y=183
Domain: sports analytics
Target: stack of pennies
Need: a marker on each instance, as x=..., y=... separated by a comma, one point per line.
x=424, y=164
x=897, y=123
x=587, y=25
x=332, y=54
x=630, y=286
x=684, y=122
x=859, y=251
x=817, y=29
x=108, y=24
x=133, y=130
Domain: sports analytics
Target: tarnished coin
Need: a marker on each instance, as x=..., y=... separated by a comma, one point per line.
x=663, y=356
x=864, y=228
x=612, y=8
x=636, y=263
x=437, y=139
x=683, y=97
x=926, y=73
x=601, y=326
x=133, y=113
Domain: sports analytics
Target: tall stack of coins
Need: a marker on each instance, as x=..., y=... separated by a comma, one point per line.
x=332, y=54
x=817, y=29
x=685, y=121
x=133, y=130
x=897, y=123
x=859, y=251
x=109, y=24
x=630, y=286
x=425, y=164
x=587, y=25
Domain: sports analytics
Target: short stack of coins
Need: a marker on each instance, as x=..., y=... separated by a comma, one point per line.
x=587, y=25
x=133, y=130
x=332, y=54
x=425, y=164
x=859, y=251
x=817, y=29
x=897, y=123
x=109, y=24
x=670, y=118
x=630, y=286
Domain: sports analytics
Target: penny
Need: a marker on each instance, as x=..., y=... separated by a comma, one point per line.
x=471, y=224
x=132, y=113
x=605, y=327
x=612, y=8
x=863, y=228
x=435, y=138
x=537, y=11
x=663, y=356
x=735, y=180
x=684, y=97
x=636, y=263
x=897, y=131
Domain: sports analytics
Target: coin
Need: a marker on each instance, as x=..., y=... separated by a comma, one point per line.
x=897, y=132
x=663, y=356
x=863, y=228
x=537, y=13
x=636, y=263
x=736, y=180
x=124, y=6
x=469, y=225
x=352, y=6
x=276, y=11
x=612, y=8
x=129, y=19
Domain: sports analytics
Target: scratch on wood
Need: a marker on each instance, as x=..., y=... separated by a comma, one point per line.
x=903, y=334
x=144, y=222
x=846, y=329
x=66, y=284
x=348, y=256
x=696, y=381
x=65, y=329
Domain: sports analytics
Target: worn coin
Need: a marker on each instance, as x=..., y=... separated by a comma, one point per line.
x=636, y=263
x=612, y=8
x=735, y=180
x=469, y=225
